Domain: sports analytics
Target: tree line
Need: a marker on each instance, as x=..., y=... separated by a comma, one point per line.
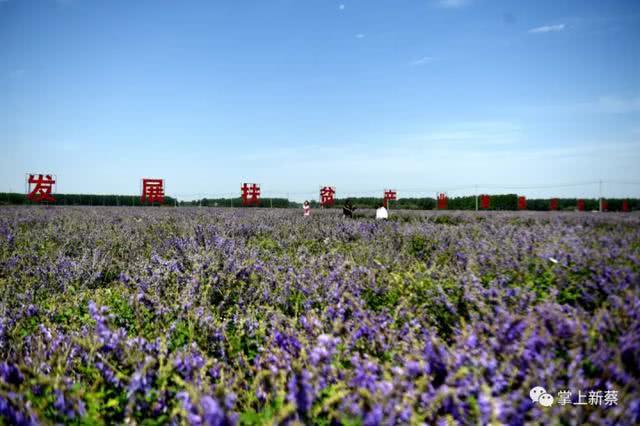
x=83, y=200
x=496, y=202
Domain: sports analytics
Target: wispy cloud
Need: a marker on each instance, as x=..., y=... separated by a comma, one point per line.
x=453, y=4
x=547, y=29
x=359, y=35
x=341, y=7
x=422, y=61
x=456, y=154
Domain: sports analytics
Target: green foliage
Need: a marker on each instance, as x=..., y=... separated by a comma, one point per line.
x=265, y=244
x=240, y=341
x=421, y=246
x=181, y=335
x=267, y=415
x=446, y=220
x=381, y=298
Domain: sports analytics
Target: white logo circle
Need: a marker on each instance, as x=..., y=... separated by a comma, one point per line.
x=536, y=393
x=545, y=400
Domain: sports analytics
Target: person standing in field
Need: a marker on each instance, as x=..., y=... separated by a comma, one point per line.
x=381, y=212
x=347, y=209
x=306, y=208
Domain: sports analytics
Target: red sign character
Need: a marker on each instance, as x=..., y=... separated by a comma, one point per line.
x=42, y=189
x=389, y=194
x=580, y=205
x=442, y=201
x=484, y=201
x=522, y=203
x=553, y=204
x=625, y=205
x=326, y=196
x=250, y=194
x=152, y=191
x=605, y=206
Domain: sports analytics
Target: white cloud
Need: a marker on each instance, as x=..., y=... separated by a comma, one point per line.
x=359, y=35
x=547, y=29
x=422, y=61
x=453, y=4
x=341, y=7
x=450, y=158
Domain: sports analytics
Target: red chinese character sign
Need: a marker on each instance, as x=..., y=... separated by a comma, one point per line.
x=553, y=204
x=484, y=202
x=605, y=205
x=522, y=203
x=389, y=194
x=152, y=191
x=443, y=200
x=42, y=188
x=250, y=194
x=326, y=196
x=625, y=205
x=580, y=205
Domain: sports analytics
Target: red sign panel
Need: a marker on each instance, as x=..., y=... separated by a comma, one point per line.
x=42, y=188
x=484, y=201
x=580, y=205
x=625, y=206
x=442, y=201
x=326, y=195
x=152, y=191
x=605, y=206
x=522, y=203
x=553, y=204
x=250, y=194
x=389, y=194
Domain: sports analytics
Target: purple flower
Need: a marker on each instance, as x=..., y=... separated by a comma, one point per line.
x=374, y=417
x=189, y=364
x=32, y=310
x=300, y=392
x=13, y=416
x=10, y=374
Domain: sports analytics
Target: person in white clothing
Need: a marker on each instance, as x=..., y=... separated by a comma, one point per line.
x=306, y=208
x=382, y=213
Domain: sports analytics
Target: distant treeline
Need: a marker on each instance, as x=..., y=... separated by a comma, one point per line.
x=82, y=200
x=496, y=202
x=281, y=203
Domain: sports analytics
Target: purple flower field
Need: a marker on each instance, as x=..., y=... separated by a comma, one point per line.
x=255, y=316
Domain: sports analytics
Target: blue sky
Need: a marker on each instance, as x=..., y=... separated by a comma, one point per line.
x=416, y=95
